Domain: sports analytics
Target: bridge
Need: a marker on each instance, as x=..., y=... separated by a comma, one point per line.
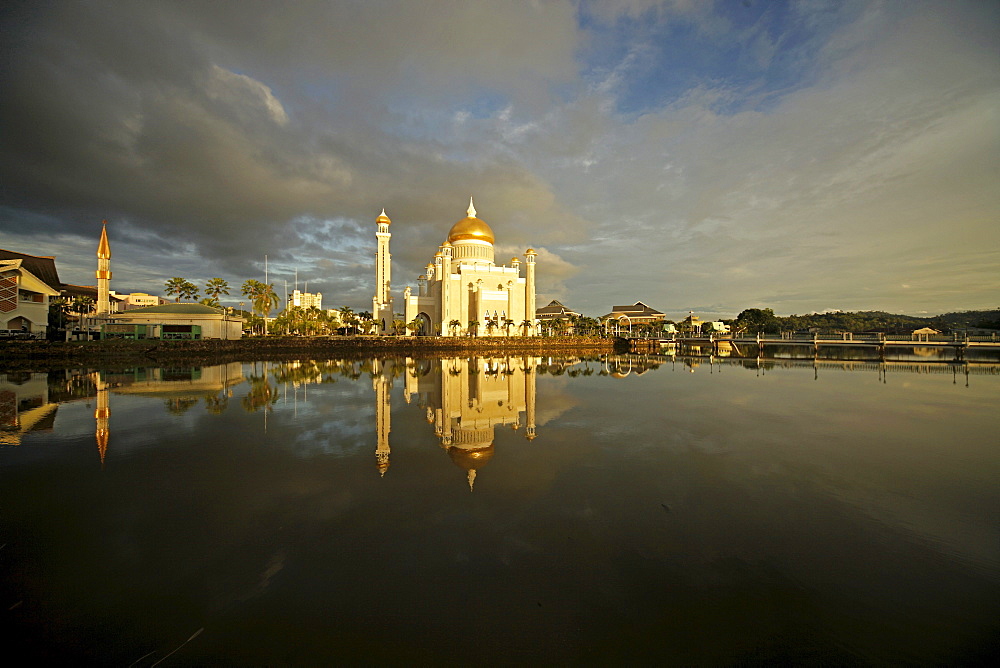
x=881, y=342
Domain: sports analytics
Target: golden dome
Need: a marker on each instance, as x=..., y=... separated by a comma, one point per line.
x=471, y=227
x=383, y=218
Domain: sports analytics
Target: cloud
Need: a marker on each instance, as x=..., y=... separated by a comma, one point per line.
x=242, y=91
x=683, y=154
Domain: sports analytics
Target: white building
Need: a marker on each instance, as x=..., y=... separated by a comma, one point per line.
x=306, y=299
x=464, y=292
x=176, y=321
x=27, y=282
x=137, y=300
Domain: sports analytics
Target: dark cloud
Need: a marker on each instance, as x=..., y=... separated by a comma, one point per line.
x=211, y=134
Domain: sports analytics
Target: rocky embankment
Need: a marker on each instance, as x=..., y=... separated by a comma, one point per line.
x=41, y=355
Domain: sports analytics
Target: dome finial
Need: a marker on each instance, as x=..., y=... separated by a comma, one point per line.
x=472, y=208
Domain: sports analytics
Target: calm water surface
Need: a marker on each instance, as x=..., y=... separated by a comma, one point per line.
x=504, y=510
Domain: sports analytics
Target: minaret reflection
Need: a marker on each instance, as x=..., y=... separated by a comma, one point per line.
x=182, y=387
x=466, y=399
x=382, y=384
x=102, y=416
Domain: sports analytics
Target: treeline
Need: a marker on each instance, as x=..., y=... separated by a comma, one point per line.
x=764, y=320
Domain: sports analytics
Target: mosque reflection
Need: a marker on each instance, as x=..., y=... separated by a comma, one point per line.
x=465, y=399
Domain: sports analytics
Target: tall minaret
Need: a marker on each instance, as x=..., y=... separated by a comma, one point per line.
x=529, y=288
x=382, y=301
x=103, y=273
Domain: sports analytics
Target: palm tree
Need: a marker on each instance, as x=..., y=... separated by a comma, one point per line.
x=349, y=319
x=330, y=321
x=526, y=325
x=262, y=296
x=454, y=324
x=182, y=288
x=214, y=288
x=473, y=327
x=415, y=325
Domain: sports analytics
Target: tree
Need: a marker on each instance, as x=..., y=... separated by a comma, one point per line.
x=753, y=320
x=214, y=288
x=182, y=288
x=262, y=297
x=455, y=324
x=415, y=325
x=349, y=318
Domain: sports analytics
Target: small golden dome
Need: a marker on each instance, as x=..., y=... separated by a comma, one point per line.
x=383, y=218
x=446, y=244
x=530, y=251
x=471, y=227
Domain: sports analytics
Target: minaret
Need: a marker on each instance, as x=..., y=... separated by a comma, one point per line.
x=103, y=273
x=382, y=302
x=529, y=288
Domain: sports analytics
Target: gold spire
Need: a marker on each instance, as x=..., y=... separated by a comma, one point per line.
x=383, y=218
x=104, y=248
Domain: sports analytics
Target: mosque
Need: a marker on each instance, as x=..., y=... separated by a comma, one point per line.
x=463, y=292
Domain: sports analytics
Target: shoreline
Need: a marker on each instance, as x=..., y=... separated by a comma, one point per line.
x=43, y=355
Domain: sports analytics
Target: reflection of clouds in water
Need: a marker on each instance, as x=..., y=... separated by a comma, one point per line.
x=338, y=437
x=552, y=400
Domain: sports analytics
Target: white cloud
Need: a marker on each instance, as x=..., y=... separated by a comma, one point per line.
x=244, y=91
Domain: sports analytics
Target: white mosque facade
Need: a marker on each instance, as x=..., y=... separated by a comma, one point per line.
x=463, y=292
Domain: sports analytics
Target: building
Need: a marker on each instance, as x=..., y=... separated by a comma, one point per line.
x=555, y=310
x=633, y=314
x=382, y=312
x=27, y=283
x=715, y=327
x=464, y=292
x=174, y=321
x=103, y=273
x=306, y=299
x=135, y=300
x=71, y=292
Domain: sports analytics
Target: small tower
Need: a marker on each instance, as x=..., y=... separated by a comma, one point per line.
x=104, y=274
x=382, y=301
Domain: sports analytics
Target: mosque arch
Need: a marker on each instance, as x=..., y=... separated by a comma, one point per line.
x=425, y=324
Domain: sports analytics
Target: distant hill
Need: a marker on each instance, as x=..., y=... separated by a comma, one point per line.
x=866, y=321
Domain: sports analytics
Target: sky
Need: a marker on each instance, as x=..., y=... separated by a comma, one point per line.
x=693, y=155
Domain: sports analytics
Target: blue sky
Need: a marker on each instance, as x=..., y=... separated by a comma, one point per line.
x=706, y=156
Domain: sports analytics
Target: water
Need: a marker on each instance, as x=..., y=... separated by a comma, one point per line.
x=688, y=511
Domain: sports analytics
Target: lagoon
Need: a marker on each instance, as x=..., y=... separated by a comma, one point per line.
x=660, y=509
